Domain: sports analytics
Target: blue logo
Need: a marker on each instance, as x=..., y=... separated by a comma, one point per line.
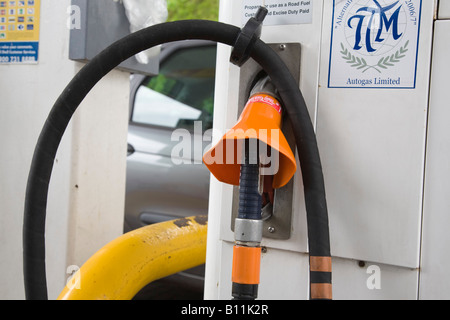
x=376, y=25
x=377, y=21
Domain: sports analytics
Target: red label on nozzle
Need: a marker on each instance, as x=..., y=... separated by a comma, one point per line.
x=267, y=100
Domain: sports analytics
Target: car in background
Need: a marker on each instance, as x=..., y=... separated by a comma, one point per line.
x=165, y=180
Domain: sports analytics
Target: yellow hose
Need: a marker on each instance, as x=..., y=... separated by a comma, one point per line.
x=125, y=265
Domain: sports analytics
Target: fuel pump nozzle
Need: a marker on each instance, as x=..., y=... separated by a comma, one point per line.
x=260, y=120
x=263, y=161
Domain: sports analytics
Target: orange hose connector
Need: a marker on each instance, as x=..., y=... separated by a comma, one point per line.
x=246, y=265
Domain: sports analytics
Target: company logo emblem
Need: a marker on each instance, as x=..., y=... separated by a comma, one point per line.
x=374, y=29
x=376, y=37
x=369, y=19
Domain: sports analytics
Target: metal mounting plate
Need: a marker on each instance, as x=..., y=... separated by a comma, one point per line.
x=278, y=226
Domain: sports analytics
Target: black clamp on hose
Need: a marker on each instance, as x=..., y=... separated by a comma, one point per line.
x=247, y=38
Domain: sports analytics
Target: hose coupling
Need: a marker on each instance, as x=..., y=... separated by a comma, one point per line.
x=248, y=231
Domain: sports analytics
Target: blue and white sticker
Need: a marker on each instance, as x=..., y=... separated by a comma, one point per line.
x=374, y=44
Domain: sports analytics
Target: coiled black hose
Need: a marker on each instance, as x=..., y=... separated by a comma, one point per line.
x=69, y=100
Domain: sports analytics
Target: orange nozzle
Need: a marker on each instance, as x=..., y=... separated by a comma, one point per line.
x=260, y=120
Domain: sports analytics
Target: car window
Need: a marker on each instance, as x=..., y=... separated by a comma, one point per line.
x=182, y=92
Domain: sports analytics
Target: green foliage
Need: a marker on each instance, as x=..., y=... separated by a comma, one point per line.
x=162, y=84
x=193, y=9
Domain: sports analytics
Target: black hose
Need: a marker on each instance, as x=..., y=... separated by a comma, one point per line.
x=250, y=199
x=103, y=63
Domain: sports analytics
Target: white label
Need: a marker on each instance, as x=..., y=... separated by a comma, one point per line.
x=280, y=12
x=374, y=44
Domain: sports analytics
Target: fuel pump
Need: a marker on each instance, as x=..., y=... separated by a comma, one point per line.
x=267, y=163
x=247, y=44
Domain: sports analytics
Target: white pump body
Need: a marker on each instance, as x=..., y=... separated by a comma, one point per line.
x=378, y=104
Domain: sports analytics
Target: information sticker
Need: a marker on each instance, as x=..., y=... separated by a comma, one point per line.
x=19, y=31
x=280, y=12
x=374, y=44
